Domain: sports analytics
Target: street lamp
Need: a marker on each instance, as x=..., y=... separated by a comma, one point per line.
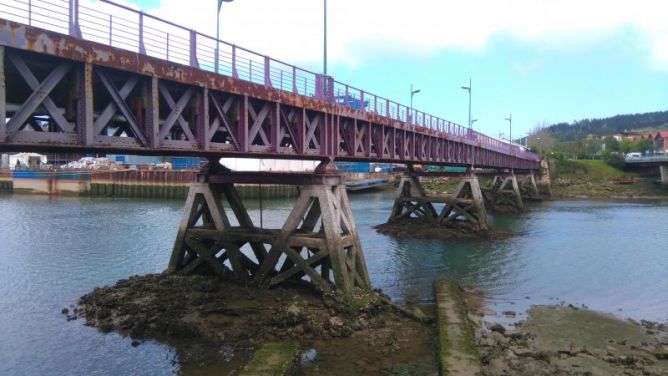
x=324, y=59
x=413, y=92
x=220, y=4
x=468, y=88
x=510, y=122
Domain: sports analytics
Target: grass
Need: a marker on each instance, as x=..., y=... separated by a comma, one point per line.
x=594, y=178
x=596, y=171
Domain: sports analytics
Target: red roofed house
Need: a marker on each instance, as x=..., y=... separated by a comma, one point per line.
x=661, y=142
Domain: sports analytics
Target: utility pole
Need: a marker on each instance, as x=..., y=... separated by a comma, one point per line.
x=510, y=121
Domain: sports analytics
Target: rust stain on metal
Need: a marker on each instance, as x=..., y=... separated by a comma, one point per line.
x=64, y=46
x=29, y=38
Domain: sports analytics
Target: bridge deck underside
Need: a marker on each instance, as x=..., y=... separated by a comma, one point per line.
x=62, y=93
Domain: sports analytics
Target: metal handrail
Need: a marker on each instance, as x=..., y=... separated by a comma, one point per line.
x=134, y=30
x=649, y=158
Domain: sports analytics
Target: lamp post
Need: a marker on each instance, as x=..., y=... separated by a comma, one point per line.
x=468, y=88
x=324, y=58
x=220, y=4
x=510, y=123
x=413, y=92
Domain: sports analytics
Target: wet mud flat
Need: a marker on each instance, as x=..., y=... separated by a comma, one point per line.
x=567, y=340
x=424, y=230
x=216, y=325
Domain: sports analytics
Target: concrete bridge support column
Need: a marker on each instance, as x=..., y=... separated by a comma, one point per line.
x=507, y=195
x=664, y=175
x=318, y=241
x=412, y=202
x=465, y=208
x=528, y=187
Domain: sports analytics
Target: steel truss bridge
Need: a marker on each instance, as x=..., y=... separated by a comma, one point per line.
x=113, y=79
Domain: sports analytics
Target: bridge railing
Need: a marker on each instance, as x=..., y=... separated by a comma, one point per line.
x=647, y=158
x=123, y=27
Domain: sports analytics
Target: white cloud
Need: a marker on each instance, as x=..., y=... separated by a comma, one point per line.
x=292, y=30
x=526, y=67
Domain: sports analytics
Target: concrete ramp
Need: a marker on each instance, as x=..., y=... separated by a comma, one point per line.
x=272, y=359
x=457, y=352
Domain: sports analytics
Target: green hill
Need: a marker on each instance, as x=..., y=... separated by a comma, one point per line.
x=579, y=130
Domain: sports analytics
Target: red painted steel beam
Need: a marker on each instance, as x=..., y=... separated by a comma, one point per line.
x=245, y=177
x=317, y=115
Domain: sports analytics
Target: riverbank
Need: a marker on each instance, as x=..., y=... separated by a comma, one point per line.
x=218, y=326
x=205, y=312
x=583, y=179
x=567, y=340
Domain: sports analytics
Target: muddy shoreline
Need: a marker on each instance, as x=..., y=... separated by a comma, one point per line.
x=568, y=340
x=232, y=321
x=205, y=315
x=417, y=229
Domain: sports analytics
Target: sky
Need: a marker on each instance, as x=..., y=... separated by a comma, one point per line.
x=543, y=61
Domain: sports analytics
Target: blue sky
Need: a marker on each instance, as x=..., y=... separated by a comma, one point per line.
x=544, y=61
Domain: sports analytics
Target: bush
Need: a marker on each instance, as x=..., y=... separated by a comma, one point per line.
x=614, y=159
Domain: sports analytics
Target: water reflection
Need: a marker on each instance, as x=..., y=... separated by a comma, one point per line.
x=610, y=256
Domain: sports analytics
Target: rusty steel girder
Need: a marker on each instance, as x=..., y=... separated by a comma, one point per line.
x=59, y=92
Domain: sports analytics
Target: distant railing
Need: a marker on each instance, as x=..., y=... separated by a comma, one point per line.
x=134, y=30
x=650, y=158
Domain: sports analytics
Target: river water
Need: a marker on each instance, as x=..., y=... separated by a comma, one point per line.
x=609, y=256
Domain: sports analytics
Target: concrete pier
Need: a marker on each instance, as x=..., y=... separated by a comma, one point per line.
x=528, y=187
x=465, y=208
x=505, y=194
x=317, y=243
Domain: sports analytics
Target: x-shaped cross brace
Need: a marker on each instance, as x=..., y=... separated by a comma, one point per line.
x=177, y=109
x=36, y=86
x=221, y=111
x=258, y=119
x=118, y=105
x=312, y=127
x=40, y=95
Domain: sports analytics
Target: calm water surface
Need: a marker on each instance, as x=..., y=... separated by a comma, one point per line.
x=612, y=257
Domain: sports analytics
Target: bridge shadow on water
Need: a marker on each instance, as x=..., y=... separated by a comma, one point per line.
x=405, y=267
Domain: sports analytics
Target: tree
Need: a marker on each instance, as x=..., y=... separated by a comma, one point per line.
x=541, y=140
x=644, y=145
x=626, y=146
x=611, y=143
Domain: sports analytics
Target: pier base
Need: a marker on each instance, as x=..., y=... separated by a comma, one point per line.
x=528, y=187
x=318, y=242
x=463, y=209
x=664, y=175
x=506, y=194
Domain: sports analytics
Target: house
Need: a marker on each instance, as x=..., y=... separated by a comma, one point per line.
x=660, y=144
x=644, y=136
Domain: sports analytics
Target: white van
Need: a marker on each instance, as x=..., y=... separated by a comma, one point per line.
x=633, y=155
